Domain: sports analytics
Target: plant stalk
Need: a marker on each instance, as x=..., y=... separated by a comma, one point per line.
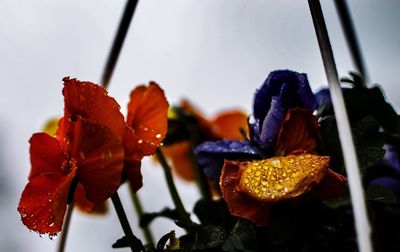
x=134, y=243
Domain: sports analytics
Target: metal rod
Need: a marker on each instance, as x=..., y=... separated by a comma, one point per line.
x=118, y=42
x=351, y=37
x=362, y=225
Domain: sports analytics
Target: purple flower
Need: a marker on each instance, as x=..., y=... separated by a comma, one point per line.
x=283, y=89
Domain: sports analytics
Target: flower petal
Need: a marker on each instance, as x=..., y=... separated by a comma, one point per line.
x=83, y=204
x=91, y=101
x=211, y=155
x=100, y=157
x=180, y=156
x=281, y=178
x=299, y=132
x=43, y=202
x=271, y=124
x=147, y=116
x=239, y=204
x=332, y=186
x=227, y=125
x=46, y=155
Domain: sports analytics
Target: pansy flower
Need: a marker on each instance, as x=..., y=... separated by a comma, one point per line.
x=87, y=151
x=146, y=127
x=224, y=125
x=283, y=89
x=280, y=162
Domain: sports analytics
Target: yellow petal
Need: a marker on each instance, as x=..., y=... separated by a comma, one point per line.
x=282, y=178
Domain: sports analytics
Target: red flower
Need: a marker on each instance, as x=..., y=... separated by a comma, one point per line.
x=86, y=151
x=249, y=188
x=146, y=127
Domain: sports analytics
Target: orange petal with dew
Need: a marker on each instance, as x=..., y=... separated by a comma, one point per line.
x=227, y=125
x=299, y=132
x=282, y=178
x=91, y=101
x=240, y=204
x=100, y=157
x=147, y=116
x=43, y=202
x=46, y=155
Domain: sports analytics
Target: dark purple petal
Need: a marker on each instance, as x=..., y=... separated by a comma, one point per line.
x=271, y=124
x=211, y=155
x=389, y=183
x=391, y=157
x=283, y=89
x=305, y=94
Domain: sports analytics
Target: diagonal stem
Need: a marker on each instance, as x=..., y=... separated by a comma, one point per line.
x=134, y=243
x=118, y=42
x=171, y=186
x=139, y=211
x=362, y=225
x=64, y=233
x=351, y=38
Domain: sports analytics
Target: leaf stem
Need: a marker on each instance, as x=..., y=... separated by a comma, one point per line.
x=171, y=186
x=64, y=233
x=134, y=243
x=137, y=204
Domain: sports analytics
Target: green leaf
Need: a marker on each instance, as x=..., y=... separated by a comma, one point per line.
x=379, y=194
x=242, y=238
x=208, y=237
x=338, y=203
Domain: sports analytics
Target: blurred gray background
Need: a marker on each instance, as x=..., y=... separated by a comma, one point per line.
x=214, y=52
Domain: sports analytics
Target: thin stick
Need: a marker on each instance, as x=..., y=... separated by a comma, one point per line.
x=171, y=186
x=134, y=243
x=351, y=38
x=64, y=233
x=118, y=42
x=362, y=225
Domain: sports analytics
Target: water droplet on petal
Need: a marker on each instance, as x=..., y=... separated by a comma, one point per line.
x=140, y=141
x=158, y=136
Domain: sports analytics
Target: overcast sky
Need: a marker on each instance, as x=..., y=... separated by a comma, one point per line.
x=214, y=52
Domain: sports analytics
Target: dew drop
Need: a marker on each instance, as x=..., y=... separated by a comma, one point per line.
x=51, y=224
x=140, y=141
x=158, y=136
x=52, y=236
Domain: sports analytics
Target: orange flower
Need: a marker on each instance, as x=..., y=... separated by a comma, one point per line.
x=249, y=188
x=87, y=151
x=147, y=125
x=225, y=125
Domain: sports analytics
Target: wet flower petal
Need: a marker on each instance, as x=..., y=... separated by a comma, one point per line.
x=46, y=155
x=240, y=204
x=211, y=155
x=280, y=178
x=181, y=156
x=43, y=202
x=271, y=124
x=91, y=101
x=100, y=156
x=147, y=116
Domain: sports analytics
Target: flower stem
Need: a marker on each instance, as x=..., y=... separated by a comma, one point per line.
x=202, y=182
x=137, y=204
x=171, y=186
x=134, y=243
x=64, y=233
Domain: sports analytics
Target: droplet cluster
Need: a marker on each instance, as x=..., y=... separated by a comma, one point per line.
x=280, y=178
